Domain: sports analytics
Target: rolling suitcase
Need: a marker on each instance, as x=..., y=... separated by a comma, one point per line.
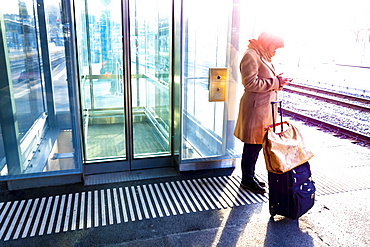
x=292, y=193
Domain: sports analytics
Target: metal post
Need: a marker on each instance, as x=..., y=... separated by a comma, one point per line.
x=71, y=68
x=233, y=69
x=46, y=64
x=91, y=82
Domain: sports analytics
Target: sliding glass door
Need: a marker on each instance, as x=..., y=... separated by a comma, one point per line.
x=150, y=46
x=124, y=71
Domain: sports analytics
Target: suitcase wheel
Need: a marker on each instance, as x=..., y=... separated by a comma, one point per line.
x=272, y=213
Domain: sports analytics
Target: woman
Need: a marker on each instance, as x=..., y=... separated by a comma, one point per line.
x=261, y=86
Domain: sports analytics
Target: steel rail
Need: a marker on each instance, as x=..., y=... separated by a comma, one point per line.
x=326, y=92
x=356, y=136
x=330, y=100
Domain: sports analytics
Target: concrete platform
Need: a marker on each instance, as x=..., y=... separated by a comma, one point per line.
x=340, y=216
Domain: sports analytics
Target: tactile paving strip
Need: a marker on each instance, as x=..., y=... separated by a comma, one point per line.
x=87, y=209
x=96, y=208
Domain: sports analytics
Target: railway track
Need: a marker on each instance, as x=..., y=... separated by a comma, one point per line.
x=330, y=96
x=339, y=113
x=355, y=136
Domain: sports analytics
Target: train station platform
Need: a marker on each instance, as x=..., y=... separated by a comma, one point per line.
x=202, y=208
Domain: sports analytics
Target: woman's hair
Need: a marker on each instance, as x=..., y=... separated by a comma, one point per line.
x=266, y=38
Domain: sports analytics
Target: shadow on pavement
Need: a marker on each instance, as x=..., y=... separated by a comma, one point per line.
x=286, y=232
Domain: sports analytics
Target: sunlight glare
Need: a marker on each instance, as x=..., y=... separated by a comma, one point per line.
x=315, y=32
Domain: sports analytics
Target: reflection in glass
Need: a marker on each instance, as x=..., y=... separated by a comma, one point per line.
x=42, y=144
x=20, y=26
x=57, y=54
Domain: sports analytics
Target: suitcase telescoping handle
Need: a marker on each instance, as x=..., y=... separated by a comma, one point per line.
x=273, y=115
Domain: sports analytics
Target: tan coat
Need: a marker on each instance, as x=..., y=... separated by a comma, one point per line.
x=260, y=88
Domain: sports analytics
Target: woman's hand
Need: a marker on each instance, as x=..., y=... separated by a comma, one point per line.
x=284, y=80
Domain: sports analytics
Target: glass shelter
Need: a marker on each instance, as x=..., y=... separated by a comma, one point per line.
x=114, y=86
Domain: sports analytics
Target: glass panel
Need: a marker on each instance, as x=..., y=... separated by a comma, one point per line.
x=63, y=156
x=99, y=41
x=150, y=68
x=57, y=54
x=25, y=87
x=204, y=46
x=24, y=62
x=37, y=67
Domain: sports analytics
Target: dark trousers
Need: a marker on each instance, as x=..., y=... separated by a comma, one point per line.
x=249, y=159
